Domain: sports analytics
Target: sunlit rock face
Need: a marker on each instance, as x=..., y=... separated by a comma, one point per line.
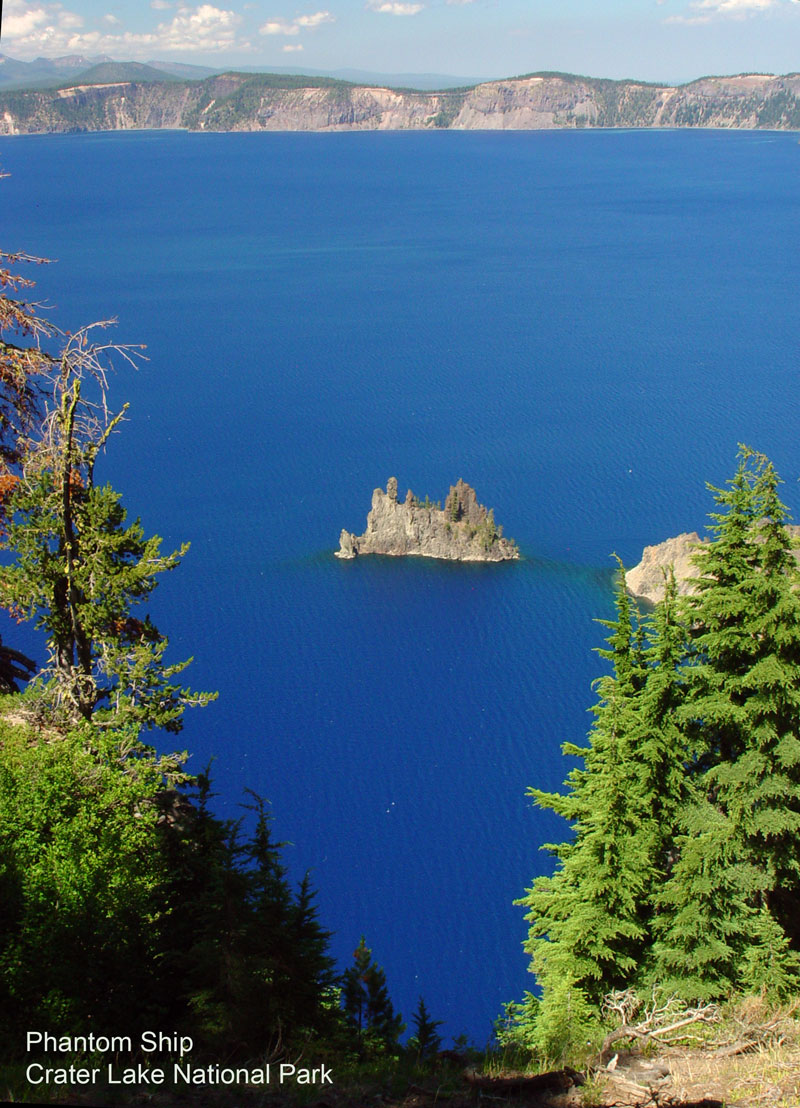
x=462, y=531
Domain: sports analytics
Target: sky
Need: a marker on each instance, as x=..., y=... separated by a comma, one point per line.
x=655, y=40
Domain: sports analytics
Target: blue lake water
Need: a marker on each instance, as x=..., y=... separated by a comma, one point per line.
x=583, y=325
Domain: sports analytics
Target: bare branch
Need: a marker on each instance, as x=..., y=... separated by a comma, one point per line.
x=657, y=1020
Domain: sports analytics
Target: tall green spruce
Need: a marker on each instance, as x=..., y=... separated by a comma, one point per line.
x=367, y=1007
x=590, y=921
x=684, y=866
x=727, y=911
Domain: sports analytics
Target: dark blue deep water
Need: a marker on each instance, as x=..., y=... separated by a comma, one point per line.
x=582, y=325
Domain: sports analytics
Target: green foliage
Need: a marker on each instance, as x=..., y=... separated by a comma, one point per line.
x=567, y=1026
x=367, y=1007
x=516, y=1027
x=427, y=503
x=487, y=531
x=447, y=114
x=587, y=920
x=740, y=865
x=80, y=571
x=684, y=867
x=81, y=878
x=81, y=589
x=127, y=904
x=426, y=1041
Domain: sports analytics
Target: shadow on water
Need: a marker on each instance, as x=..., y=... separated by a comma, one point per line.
x=598, y=579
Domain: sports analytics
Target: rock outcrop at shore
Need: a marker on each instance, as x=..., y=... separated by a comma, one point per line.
x=646, y=580
x=462, y=531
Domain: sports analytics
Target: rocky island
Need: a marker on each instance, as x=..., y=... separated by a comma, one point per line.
x=462, y=531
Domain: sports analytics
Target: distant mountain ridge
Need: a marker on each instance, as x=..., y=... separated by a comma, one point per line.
x=48, y=72
x=110, y=96
x=44, y=72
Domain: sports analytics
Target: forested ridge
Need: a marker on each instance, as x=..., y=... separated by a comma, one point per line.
x=126, y=903
x=124, y=97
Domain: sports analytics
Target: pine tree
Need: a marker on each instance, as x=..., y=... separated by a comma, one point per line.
x=659, y=744
x=315, y=992
x=587, y=929
x=425, y=1041
x=737, y=879
x=684, y=868
x=81, y=568
x=367, y=1006
x=290, y=973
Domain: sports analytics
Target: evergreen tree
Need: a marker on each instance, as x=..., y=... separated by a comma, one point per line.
x=659, y=744
x=724, y=909
x=716, y=935
x=315, y=990
x=291, y=978
x=204, y=918
x=82, y=882
x=426, y=1041
x=684, y=868
x=367, y=1007
x=81, y=569
x=587, y=929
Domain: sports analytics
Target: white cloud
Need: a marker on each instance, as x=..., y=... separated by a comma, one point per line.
x=704, y=11
x=315, y=19
x=20, y=20
x=735, y=7
x=69, y=21
x=51, y=29
x=279, y=27
x=394, y=7
x=201, y=26
x=160, y=5
x=291, y=48
x=111, y=20
x=302, y=22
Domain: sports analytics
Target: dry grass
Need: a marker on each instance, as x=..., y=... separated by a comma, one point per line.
x=769, y=1076
x=749, y=1059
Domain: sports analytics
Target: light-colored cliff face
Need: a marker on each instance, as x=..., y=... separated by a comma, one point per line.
x=320, y=109
x=531, y=103
x=244, y=102
x=121, y=106
x=646, y=580
x=749, y=101
x=462, y=531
